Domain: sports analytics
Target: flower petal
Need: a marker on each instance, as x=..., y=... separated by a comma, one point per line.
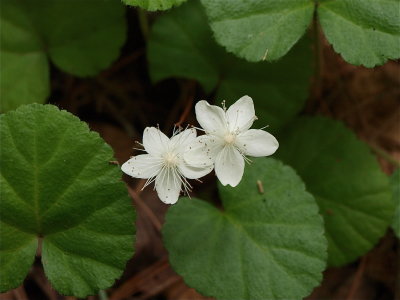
x=203, y=151
x=257, y=142
x=211, y=118
x=154, y=141
x=182, y=139
x=168, y=186
x=229, y=166
x=241, y=115
x=191, y=172
x=142, y=166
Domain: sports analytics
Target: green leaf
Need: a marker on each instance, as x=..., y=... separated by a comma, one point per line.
x=56, y=185
x=259, y=30
x=153, y=5
x=364, y=32
x=352, y=192
x=259, y=246
x=279, y=90
x=395, y=181
x=33, y=30
x=181, y=45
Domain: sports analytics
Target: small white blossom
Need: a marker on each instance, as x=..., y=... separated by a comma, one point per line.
x=164, y=163
x=229, y=139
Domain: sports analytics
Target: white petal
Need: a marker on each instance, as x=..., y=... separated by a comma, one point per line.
x=203, y=151
x=229, y=166
x=154, y=141
x=168, y=186
x=191, y=172
x=256, y=142
x=211, y=118
x=142, y=166
x=241, y=115
x=183, y=139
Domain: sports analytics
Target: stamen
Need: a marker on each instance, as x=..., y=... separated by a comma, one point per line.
x=246, y=159
x=198, y=128
x=159, y=136
x=223, y=104
x=149, y=181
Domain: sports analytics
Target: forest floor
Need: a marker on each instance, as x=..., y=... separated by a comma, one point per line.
x=121, y=102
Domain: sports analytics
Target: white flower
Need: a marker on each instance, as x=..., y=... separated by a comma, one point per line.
x=228, y=139
x=164, y=163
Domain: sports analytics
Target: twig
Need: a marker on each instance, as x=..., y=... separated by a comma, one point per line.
x=20, y=294
x=160, y=287
x=186, y=100
x=185, y=112
x=357, y=278
x=123, y=62
x=134, y=283
x=139, y=185
x=7, y=296
x=191, y=90
x=139, y=201
x=41, y=280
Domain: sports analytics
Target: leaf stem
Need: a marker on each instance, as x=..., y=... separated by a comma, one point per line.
x=318, y=56
x=318, y=63
x=143, y=23
x=357, y=278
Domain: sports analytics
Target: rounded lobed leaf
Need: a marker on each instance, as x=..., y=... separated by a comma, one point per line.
x=352, y=192
x=259, y=30
x=181, y=45
x=56, y=185
x=263, y=244
x=153, y=5
x=364, y=32
x=395, y=181
x=31, y=30
x=279, y=90
x=24, y=74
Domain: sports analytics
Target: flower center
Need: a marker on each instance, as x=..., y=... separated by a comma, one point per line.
x=170, y=159
x=230, y=138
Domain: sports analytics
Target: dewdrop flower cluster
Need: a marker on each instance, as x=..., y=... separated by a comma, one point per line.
x=224, y=147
